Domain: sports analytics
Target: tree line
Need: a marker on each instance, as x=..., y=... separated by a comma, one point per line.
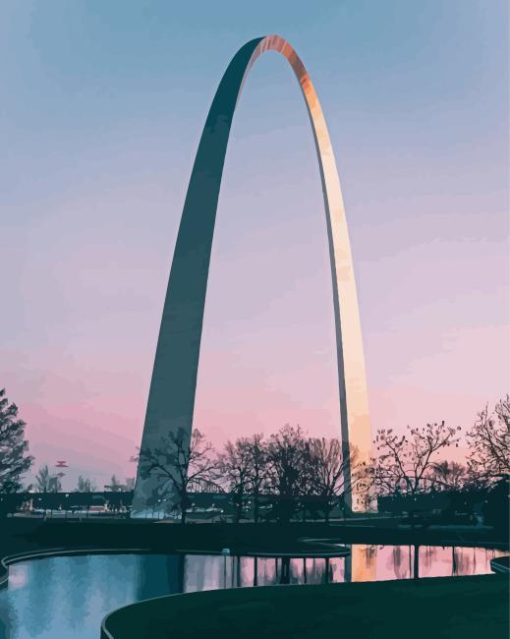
x=289, y=474
x=15, y=461
x=414, y=462
x=47, y=481
x=292, y=474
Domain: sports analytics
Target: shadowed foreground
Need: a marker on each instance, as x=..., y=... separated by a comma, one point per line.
x=467, y=607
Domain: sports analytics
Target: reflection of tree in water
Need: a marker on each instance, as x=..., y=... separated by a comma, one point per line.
x=236, y=571
x=296, y=571
x=281, y=570
x=7, y=618
x=348, y=566
x=400, y=562
x=205, y=572
x=311, y=570
x=470, y=561
x=450, y=560
x=263, y=571
x=266, y=572
x=160, y=575
x=120, y=573
x=337, y=569
x=463, y=561
x=361, y=564
x=473, y=561
x=68, y=592
x=10, y=619
x=245, y=571
x=438, y=561
x=455, y=558
x=427, y=556
x=314, y=570
x=78, y=593
x=328, y=571
x=395, y=561
x=370, y=558
x=416, y=562
x=42, y=602
x=284, y=577
x=287, y=571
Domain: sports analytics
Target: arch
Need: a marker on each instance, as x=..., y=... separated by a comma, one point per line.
x=172, y=392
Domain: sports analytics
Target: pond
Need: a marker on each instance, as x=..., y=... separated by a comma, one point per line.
x=67, y=597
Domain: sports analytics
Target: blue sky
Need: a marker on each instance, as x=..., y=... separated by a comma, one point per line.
x=101, y=109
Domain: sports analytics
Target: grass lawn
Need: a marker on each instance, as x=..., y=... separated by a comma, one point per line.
x=462, y=607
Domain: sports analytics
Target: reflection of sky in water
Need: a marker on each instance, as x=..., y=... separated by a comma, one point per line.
x=68, y=596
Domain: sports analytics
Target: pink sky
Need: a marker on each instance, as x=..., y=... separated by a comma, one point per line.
x=100, y=134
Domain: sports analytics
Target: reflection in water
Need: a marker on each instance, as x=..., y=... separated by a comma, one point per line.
x=68, y=596
x=363, y=565
x=37, y=617
x=159, y=574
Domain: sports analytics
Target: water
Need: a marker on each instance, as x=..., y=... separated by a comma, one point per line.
x=66, y=597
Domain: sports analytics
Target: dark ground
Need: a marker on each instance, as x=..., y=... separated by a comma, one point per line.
x=18, y=534
x=465, y=607
x=447, y=608
x=24, y=534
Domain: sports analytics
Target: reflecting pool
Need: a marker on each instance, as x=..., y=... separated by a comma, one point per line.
x=66, y=597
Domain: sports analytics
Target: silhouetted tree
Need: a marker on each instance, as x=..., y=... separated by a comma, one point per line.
x=289, y=470
x=85, y=485
x=448, y=475
x=234, y=466
x=328, y=466
x=489, y=443
x=405, y=462
x=180, y=466
x=258, y=470
x=47, y=482
x=14, y=460
x=115, y=486
x=496, y=509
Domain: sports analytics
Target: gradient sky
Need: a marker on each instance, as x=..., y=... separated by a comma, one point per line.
x=101, y=108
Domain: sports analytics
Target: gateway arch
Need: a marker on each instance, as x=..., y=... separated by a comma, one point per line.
x=172, y=391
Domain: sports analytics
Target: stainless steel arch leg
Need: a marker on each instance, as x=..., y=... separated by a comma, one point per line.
x=172, y=391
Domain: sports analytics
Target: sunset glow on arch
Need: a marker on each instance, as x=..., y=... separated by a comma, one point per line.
x=172, y=393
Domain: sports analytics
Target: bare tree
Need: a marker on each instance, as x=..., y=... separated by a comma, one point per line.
x=289, y=468
x=489, y=443
x=235, y=467
x=14, y=460
x=55, y=484
x=329, y=466
x=180, y=466
x=447, y=475
x=46, y=482
x=405, y=462
x=258, y=469
x=115, y=486
x=85, y=485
